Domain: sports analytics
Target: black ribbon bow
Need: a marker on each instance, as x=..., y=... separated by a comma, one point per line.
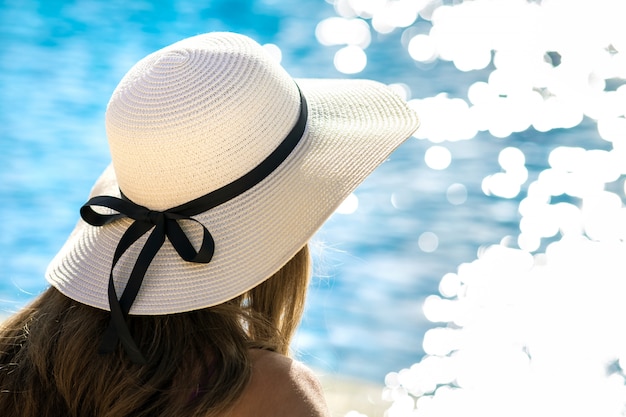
x=166, y=224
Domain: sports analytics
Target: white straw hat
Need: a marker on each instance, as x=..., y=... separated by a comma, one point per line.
x=196, y=117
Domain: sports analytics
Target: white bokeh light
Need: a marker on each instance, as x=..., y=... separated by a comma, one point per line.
x=456, y=194
x=422, y=48
x=428, y=242
x=511, y=159
x=341, y=31
x=402, y=90
x=444, y=119
x=350, y=59
x=274, y=51
x=450, y=285
x=438, y=157
x=507, y=184
x=349, y=205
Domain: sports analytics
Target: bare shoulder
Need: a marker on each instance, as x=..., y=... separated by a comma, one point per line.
x=281, y=387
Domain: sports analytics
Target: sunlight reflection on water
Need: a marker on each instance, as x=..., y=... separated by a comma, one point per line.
x=533, y=325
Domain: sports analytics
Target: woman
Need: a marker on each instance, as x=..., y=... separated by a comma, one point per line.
x=182, y=284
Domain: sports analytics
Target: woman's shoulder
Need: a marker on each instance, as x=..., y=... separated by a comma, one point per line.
x=280, y=386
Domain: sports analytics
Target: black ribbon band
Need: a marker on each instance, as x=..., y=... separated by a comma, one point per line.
x=165, y=224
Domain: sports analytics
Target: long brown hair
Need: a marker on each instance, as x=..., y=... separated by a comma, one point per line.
x=198, y=361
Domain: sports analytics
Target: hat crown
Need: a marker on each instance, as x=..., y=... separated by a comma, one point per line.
x=195, y=116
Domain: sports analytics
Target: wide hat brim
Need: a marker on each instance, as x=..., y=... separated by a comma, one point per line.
x=353, y=126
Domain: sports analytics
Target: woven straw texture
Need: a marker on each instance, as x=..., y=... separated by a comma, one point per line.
x=199, y=114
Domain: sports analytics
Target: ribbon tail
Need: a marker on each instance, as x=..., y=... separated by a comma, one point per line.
x=118, y=329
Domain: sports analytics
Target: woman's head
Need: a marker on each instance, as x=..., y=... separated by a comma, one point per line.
x=223, y=168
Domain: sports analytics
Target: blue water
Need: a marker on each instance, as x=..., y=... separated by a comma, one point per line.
x=59, y=62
